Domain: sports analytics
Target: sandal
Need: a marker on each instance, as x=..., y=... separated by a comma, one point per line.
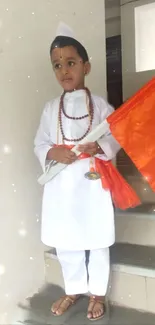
x=63, y=304
x=92, y=310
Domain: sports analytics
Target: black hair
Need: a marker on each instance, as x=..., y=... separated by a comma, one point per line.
x=62, y=41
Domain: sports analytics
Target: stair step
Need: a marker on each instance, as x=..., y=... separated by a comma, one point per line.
x=140, y=259
x=127, y=316
x=132, y=280
x=135, y=228
x=40, y=304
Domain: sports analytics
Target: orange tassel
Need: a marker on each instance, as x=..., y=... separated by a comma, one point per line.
x=124, y=197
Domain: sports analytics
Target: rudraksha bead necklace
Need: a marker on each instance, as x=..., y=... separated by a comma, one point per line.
x=89, y=115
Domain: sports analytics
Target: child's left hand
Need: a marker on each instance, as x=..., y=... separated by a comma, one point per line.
x=91, y=148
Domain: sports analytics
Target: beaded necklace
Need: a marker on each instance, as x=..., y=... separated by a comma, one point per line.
x=92, y=174
x=90, y=114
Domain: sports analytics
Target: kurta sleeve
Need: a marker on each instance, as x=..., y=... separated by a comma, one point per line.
x=107, y=143
x=42, y=142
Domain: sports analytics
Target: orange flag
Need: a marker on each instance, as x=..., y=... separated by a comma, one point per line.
x=133, y=126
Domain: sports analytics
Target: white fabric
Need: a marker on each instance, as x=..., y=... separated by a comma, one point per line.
x=99, y=270
x=73, y=264
x=64, y=30
x=77, y=214
x=54, y=168
x=75, y=272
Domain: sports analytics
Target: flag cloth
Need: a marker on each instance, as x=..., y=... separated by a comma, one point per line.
x=133, y=126
x=123, y=196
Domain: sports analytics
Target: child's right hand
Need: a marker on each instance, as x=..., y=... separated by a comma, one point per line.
x=62, y=155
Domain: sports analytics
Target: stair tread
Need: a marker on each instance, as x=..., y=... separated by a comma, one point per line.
x=127, y=254
x=135, y=255
x=40, y=304
x=122, y=316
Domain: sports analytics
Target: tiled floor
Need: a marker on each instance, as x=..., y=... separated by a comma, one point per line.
x=39, y=312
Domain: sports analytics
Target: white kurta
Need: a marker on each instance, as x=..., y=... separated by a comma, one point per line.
x=77, y=214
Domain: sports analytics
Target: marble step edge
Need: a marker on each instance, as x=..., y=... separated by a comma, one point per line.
x=135, y=215
x=122, y=267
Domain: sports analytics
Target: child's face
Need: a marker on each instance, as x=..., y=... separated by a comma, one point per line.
x=69, y=68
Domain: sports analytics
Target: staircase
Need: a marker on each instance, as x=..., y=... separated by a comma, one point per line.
x=132, y=280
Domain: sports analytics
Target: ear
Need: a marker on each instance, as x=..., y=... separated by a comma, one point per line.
x=87, y=68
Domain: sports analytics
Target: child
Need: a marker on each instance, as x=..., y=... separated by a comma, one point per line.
x=77, y=213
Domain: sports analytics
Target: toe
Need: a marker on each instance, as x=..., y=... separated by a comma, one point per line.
x=59, y=311
x=98, y=313
x=95, y=315
x=89, y=315
x=54, y=308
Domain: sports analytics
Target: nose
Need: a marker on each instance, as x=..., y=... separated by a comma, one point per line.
x=64, y=70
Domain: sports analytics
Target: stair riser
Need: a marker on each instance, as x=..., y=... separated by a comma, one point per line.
x=132, y=291
x=134, y=229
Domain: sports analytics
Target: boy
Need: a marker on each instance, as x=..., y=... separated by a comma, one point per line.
x=77, y=213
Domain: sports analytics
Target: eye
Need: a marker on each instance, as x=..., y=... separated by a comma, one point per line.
x=71, y=63
x=57, y=66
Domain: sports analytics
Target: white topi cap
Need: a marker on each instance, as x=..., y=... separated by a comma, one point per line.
x=64, y=30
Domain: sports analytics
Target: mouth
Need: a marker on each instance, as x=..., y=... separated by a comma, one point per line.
x=67, y=80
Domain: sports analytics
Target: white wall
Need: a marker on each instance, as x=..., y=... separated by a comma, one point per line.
x=26, y=31
x=113, y=20
x=132, y=80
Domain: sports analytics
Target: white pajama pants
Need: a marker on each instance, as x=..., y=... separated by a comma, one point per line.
x=79, y=280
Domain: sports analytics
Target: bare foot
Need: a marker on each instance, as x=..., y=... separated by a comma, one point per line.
x=63, y=304
x=96, y=308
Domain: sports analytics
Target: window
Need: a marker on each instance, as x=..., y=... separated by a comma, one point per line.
x=145, y=37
